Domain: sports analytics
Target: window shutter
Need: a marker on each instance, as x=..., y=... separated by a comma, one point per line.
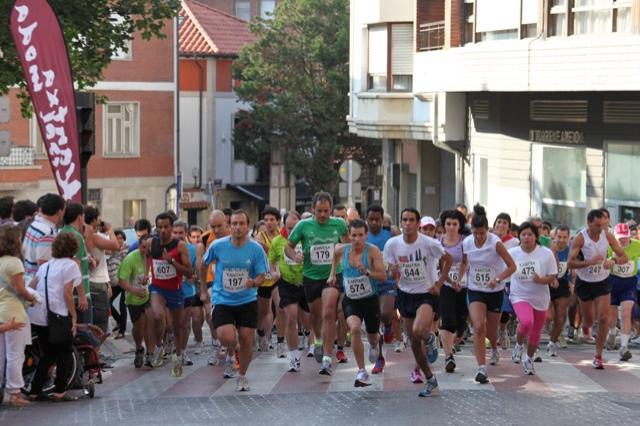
x=402, y=49
x=378, y=50
x=529, y=12
x=497, y=15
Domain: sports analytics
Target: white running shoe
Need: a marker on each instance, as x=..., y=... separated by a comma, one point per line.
x=198, y=348
x=552, y=349
x=311, y=351
x=294, y=365
x=280, y=350
x=399, y=346
x=562, y=342
x=362, y=379
x=495, y=356
x=186, y=360
x=242, y=384
x=516, y=355
x=528, y=367
x=374, y=354
x=229, y=369
x=214, y=358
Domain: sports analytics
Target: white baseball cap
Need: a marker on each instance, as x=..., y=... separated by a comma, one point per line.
x=426, y=221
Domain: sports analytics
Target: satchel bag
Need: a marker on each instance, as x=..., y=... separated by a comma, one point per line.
x=59, y=325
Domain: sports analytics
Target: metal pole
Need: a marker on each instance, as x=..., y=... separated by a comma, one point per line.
x=350, y=183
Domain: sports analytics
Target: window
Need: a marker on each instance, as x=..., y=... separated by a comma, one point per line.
x=468, y=20
x=558, y=18
x=592, y=16
x=561, y=190
x=121, y=54
x=35, y=139
x=578, y=17
x=622, y=164
x=267, y=8
x=401, y=55
x=243, y=9
x=121, y=130
x=529, y=23
x=431, y=36
x=136, y=209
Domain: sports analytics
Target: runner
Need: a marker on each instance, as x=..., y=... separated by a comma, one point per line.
x=536, y=270
x=169, y=262
x=292, y=299
x=240, y=267
x=133, y=277
x=560, y=294
x=319, y=235
x=592, y=284
x=453, y=295
x=502, y=228
x=411, y=258
x=342, y=332
x=489, y=265
x=271, y=219
x=387, y=292
x=362, y=267
x=623, y=288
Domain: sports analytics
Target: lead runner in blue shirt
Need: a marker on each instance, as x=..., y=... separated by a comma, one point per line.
x=240, y=268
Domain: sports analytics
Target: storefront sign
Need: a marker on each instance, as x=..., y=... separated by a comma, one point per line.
x=571, y=137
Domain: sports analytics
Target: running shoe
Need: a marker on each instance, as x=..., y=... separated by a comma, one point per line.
x=311, y=351
x=341, y=356
x=449, y=364
x=516, y=354
x=280, y=350
x=157, y=358
x=301, y=342
x=214, y=358
x=562, y=342
x=263, y=344
x=611, y=342
x=374, y=354
x=325, y=369
x=388, y=334
x=168, y=346
x=242, y=384
x=199, y=347
x=597, y=363
x=588, y=339
x=147, y=360
x=528, y=367
x=229, y=369
x=635, y=341
x=481, y=376
x=537, y=357
x=362, y=379
x=432, y=348
x=347, y=339
x=430, y=388
x=495, y=356
x=457, y=348
x=186, y=360
x=379, y=366
x=416, y=376
x=139, y=359
x=318, y=352
x=552, y=349
x=625, y=354
x=505, y=341
x=399, y=346
x=176, y=368
x=294, y=365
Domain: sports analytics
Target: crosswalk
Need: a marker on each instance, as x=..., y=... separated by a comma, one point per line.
x=570, y=372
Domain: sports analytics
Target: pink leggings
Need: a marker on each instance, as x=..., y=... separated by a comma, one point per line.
x=531, y=321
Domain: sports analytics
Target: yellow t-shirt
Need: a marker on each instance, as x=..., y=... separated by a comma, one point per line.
x=10, y=305
x=268, y=282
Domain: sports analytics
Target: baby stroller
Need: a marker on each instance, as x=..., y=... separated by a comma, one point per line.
x=85, y=372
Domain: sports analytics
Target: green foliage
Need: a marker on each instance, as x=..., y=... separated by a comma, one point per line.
x=295, y=78
x=92, y=35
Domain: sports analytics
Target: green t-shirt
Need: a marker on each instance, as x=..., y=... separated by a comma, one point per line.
x=82, y=256
x=545, y=241
x=290, y=271
x=131, y=270
x=629, y=269
x=318, y=244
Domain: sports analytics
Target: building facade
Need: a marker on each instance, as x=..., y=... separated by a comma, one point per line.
x=132, y=172
x=539, y=98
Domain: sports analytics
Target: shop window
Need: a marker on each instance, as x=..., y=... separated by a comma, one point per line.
x=400, y=51
x=622, y=164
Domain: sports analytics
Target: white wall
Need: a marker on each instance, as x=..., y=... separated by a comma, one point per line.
x=189, y=135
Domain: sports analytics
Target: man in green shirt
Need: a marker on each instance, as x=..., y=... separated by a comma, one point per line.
x=73, y=223
x=319, y=235
x=133, y=278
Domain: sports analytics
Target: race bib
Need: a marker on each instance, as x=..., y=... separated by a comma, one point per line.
x=481, y=275
x=414, y=272
x=234, y=279
x=163, y=270
x=626, y=270
x=526, y=269
x=454, y=273
x=562, y=269
x=291, y=261
x=357, y=287
x=321, y=254
x=595, y=270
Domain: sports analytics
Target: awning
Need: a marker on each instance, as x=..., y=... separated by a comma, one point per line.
x=257, y=192
x=195, y=205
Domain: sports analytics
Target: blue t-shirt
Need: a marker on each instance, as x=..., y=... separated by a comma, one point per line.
x=233, y=266
x=379, y=240
x=189, y=286
x=352, y=277
x=563, y=256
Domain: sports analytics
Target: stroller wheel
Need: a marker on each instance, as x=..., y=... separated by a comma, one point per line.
x=91, y=390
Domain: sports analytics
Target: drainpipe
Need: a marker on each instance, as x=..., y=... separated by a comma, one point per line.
x=200, y=96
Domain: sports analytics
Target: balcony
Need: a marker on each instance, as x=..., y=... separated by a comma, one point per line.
x=19, y=156
x=431, y=36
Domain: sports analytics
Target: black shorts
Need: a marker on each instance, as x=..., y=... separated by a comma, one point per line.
x=493, y=301
x=587, y=291
x=452, y=306
x=291, y=294
x=313, y=288
x=136, y=311
x=265, y=292
x=367, y=309
x=192, y=301
x=240, y=316
x=409, y=303
x=563, y=290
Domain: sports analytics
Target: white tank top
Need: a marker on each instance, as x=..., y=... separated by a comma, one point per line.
x=591, y=249
x=100, y=274
x=485, y=264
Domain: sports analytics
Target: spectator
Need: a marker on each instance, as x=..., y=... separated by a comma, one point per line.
x=23, y=213
x=6, y=210
x=113, y=263
x=74, y=224
x=40, y=234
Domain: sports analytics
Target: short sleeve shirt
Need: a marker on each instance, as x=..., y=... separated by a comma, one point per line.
x=10, y=304
x=290, y=271
x=540, y=261
x=417, y=262
x=131, y=270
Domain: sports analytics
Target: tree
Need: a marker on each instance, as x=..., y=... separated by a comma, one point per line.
x=295, y=78
x=93, y=30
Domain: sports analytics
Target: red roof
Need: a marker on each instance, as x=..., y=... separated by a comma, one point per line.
x=211, y=32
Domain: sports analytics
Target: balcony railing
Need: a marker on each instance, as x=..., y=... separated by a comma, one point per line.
x=20, y=156
x=431, y=36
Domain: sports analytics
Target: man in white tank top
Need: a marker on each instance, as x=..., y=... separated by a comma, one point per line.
x=588, y=256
